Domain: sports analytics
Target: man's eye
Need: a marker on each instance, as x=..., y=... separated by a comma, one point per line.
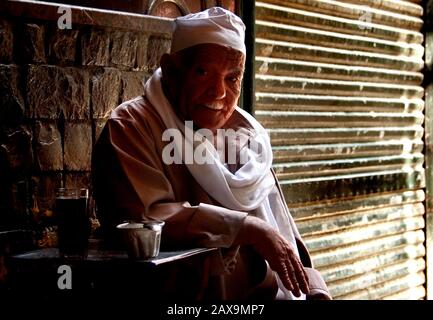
x=233, y=79
x=201, y=71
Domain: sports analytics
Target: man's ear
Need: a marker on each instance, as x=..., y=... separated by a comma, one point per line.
x=169, y=66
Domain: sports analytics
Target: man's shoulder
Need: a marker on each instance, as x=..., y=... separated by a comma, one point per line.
x=128, y=108
x=138, y=108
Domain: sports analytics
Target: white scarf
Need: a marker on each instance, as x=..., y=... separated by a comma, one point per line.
x=251, y=188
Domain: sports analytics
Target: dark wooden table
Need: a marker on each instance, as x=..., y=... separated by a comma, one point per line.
x=170, y=276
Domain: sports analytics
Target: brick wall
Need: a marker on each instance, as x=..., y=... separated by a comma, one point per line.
x=57, y=88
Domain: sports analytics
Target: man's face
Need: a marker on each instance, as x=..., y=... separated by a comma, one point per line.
x=208, y=85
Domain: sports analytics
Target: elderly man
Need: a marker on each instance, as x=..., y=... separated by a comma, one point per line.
x=185, y=153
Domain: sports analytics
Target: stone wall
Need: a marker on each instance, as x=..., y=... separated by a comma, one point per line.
x=57, y=88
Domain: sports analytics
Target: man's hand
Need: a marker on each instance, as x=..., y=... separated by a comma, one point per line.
x=277, y=251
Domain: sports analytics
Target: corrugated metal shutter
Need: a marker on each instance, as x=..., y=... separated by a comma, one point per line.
x=338, y=85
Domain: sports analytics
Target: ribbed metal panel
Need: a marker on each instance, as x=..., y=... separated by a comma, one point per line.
x=338, y=86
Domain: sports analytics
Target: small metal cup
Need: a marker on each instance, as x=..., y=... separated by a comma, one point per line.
x=142, y=239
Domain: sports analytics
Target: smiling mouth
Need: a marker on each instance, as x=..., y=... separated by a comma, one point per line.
x=214, y=106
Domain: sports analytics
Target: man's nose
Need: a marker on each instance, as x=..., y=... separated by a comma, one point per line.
x=218, y=89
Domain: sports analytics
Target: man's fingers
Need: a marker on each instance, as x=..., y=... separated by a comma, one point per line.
x=288, y=266
x=285, y=277
x=293, y=274
x=302, y=278
x=307, y=280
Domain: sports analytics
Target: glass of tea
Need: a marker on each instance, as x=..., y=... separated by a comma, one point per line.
x=73, y=222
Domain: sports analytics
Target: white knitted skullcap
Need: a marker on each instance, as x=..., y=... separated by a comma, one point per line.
x=214, y=25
